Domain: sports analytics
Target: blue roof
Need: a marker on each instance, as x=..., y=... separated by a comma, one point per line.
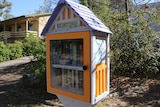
x=83, y=12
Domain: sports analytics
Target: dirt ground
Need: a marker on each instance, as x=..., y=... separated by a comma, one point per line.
x=125, y=92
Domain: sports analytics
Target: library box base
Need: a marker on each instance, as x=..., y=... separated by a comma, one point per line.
x=69, y=102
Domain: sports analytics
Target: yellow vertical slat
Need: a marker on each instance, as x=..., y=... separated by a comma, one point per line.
x=106, y=79
x=101, y=83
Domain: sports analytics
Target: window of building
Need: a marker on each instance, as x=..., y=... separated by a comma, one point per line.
x=19, y=28
x=30, y=27
x=9, y=28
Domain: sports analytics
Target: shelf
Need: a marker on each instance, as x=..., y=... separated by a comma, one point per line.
x=80, y=68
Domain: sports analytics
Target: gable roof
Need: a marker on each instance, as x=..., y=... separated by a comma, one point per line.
x=83, y=12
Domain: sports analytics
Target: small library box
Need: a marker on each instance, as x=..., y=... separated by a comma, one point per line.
x=77, y=55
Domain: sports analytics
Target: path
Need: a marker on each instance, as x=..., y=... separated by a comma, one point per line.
x=15, y=62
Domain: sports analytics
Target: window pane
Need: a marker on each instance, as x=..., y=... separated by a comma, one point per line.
x=66, y=56
x=67, y=52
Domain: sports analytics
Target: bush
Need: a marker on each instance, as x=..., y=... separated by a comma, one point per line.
x=29, y=45
x=36, y=47
x=4, y=52
x=40, y=70
x=15, y=50
x=133, y=48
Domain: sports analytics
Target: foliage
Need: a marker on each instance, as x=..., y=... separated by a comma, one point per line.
x=10, y=51
x=36, y=47
x=15, y=50
x=84, y=2
x=120, y=5
x=132, y=45
x=4, y=52
x=29, y=45
x=47, y=7
x=5, y=8
x=40, y=69
x=133, y=50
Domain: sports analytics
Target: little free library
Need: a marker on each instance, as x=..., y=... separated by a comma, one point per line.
x=77, y=55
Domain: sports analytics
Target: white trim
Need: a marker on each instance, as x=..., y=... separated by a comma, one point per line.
x=70, y=30
x=101, y=97
x=93, y=82
x=69, y=102
x=67, y=67
x=106, y=93
x=108, y=61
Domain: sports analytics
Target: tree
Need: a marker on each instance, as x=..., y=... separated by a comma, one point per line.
x=98, y=7
x=133, y=51
x=120, y=5
x=47, y=8
x=84, y=2
x=133, y=44
x=5, y=8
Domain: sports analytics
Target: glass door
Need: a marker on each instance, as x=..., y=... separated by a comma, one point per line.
x=68, y=64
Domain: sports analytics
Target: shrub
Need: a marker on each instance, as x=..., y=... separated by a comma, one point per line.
x=4, y=52
x=36, y=47
x=40, y=70
x=29, y=45
x=133, y=48
x=15, y=50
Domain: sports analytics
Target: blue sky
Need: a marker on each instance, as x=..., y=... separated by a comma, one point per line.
x=25, y=7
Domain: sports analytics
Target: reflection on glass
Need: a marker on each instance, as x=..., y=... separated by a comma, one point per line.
x=68, y=53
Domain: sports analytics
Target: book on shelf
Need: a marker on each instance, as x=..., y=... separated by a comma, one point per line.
x=75, y=53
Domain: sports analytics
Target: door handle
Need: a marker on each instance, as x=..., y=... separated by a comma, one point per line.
x=85, y=67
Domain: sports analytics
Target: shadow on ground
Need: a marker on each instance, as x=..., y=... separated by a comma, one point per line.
x=150, y=98
x=14, y=94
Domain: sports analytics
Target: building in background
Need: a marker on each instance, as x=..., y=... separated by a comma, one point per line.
x=19, y=27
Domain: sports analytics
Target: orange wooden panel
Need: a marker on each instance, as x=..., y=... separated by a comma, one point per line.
x=82, y=24
x=58, y=18
x=69, y=13
x=54, y=27
x=64, y=14
x=86, y=97
x=104, y=80
x=101, y=79
x=75, y=16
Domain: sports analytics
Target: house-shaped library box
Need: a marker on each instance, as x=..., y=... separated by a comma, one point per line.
x=77, y=55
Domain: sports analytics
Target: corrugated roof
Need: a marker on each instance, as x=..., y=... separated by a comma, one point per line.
x=83, y=12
